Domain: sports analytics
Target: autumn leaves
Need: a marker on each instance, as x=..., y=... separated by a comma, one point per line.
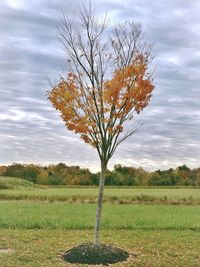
x=90, y=110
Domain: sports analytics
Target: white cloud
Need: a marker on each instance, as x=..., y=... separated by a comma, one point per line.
x=17, y=4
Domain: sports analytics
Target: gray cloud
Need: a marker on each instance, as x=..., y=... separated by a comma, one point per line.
x=31, y=131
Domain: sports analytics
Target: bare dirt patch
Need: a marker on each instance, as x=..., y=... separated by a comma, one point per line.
x=6, y=250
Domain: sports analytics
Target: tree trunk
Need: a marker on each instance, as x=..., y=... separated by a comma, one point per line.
x=99, y=203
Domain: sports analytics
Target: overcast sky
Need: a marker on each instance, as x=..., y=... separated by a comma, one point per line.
x=31, y=130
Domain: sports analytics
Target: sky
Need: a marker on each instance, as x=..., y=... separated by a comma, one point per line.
x=31, y=130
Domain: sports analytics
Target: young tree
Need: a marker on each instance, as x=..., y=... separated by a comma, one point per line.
x=106, y=86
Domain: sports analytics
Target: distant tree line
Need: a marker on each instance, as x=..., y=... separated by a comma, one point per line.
x=62, y=174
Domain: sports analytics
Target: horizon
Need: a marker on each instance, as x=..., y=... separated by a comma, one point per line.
x=95, y=170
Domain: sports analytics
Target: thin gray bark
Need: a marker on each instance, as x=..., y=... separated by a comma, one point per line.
x=99, y=204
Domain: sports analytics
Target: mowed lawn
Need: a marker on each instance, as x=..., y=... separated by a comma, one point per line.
x=37, y=232
x=35, y=248
x=60, y=215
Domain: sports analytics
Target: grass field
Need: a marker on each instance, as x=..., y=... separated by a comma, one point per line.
x=38, y=231
x=35, y=248
x=113, y=195
x=30, y=215
x=14, y=183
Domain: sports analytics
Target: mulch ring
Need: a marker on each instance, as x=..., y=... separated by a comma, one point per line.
x=88, y=253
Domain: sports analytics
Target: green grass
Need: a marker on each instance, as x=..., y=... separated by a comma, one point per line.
x=119, y=192
x=14, y=183
x=188, y=196
x=43, y=225
x=44, y=215
x=35, y=248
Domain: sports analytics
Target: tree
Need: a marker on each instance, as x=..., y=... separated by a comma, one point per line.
x=106, y=86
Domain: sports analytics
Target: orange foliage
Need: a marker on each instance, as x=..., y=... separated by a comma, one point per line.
x=89, y=111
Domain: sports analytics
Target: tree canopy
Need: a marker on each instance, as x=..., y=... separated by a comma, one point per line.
x=107, y=82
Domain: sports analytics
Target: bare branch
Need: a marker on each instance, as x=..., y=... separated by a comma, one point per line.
x=92, y=57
